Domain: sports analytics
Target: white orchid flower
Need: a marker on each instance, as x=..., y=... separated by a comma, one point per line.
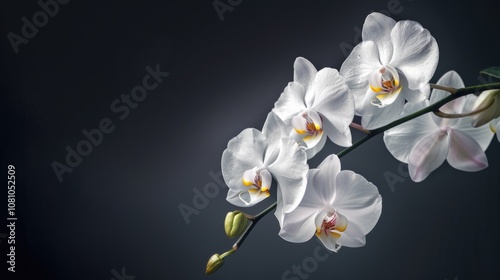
x=339, y=207
x=316, y=104
x=253, y=158
x=394, y=62
x=491, y=100
x=427, y=141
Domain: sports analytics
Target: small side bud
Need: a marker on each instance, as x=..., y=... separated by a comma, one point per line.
x=235, y=223
x=214, y=263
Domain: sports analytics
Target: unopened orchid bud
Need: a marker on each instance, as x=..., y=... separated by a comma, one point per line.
x=235, y=224
x=488, y=103
x=214, y=263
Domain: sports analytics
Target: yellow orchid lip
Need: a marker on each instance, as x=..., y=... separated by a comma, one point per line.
x=333, y=224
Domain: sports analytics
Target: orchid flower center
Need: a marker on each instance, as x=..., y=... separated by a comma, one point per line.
x=308, y=124
x=257, y=178
x=333, y=224
x=385, y=82
x=259, y=182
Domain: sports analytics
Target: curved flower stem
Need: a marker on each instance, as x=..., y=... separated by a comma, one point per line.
x=455, y=116
x=448, y=89
x=255, y=219
x=359, y=127
x=371, y=133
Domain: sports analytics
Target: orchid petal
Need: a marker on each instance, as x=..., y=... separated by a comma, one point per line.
x=343, y=139
x=482, y=134
x=416, y=52
x=356, y=69
x=290, y=170
x=465, y=153
x=412, y=95
x=274, y=130
x=359, y=201
x=311, y=152
x=243, y=153
x=299, y=225
x=375, y=117
x=377, y=28
x=401, y=140
x=253, y=196
x=335, y=103
x=291, y=102
x=304, y=72
x=428, y=155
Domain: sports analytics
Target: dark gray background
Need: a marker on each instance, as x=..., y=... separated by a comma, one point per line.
x=119, y=207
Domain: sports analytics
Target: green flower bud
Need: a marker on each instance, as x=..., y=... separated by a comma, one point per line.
x=214, y=263
x=235, y=224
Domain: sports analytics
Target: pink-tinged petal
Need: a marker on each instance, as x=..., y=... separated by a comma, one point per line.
x=290, y=171
x=356, y=69
x=377, y=28
x=375, y=117
x=428, y=155
x=359, y=201
x=449, y=79
x=304, y=72
x=465, y=153
x=401, y=139
x=291, y=102
x=243, y=153
x=416, y=52
x=343, y=139
x=482, y=134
